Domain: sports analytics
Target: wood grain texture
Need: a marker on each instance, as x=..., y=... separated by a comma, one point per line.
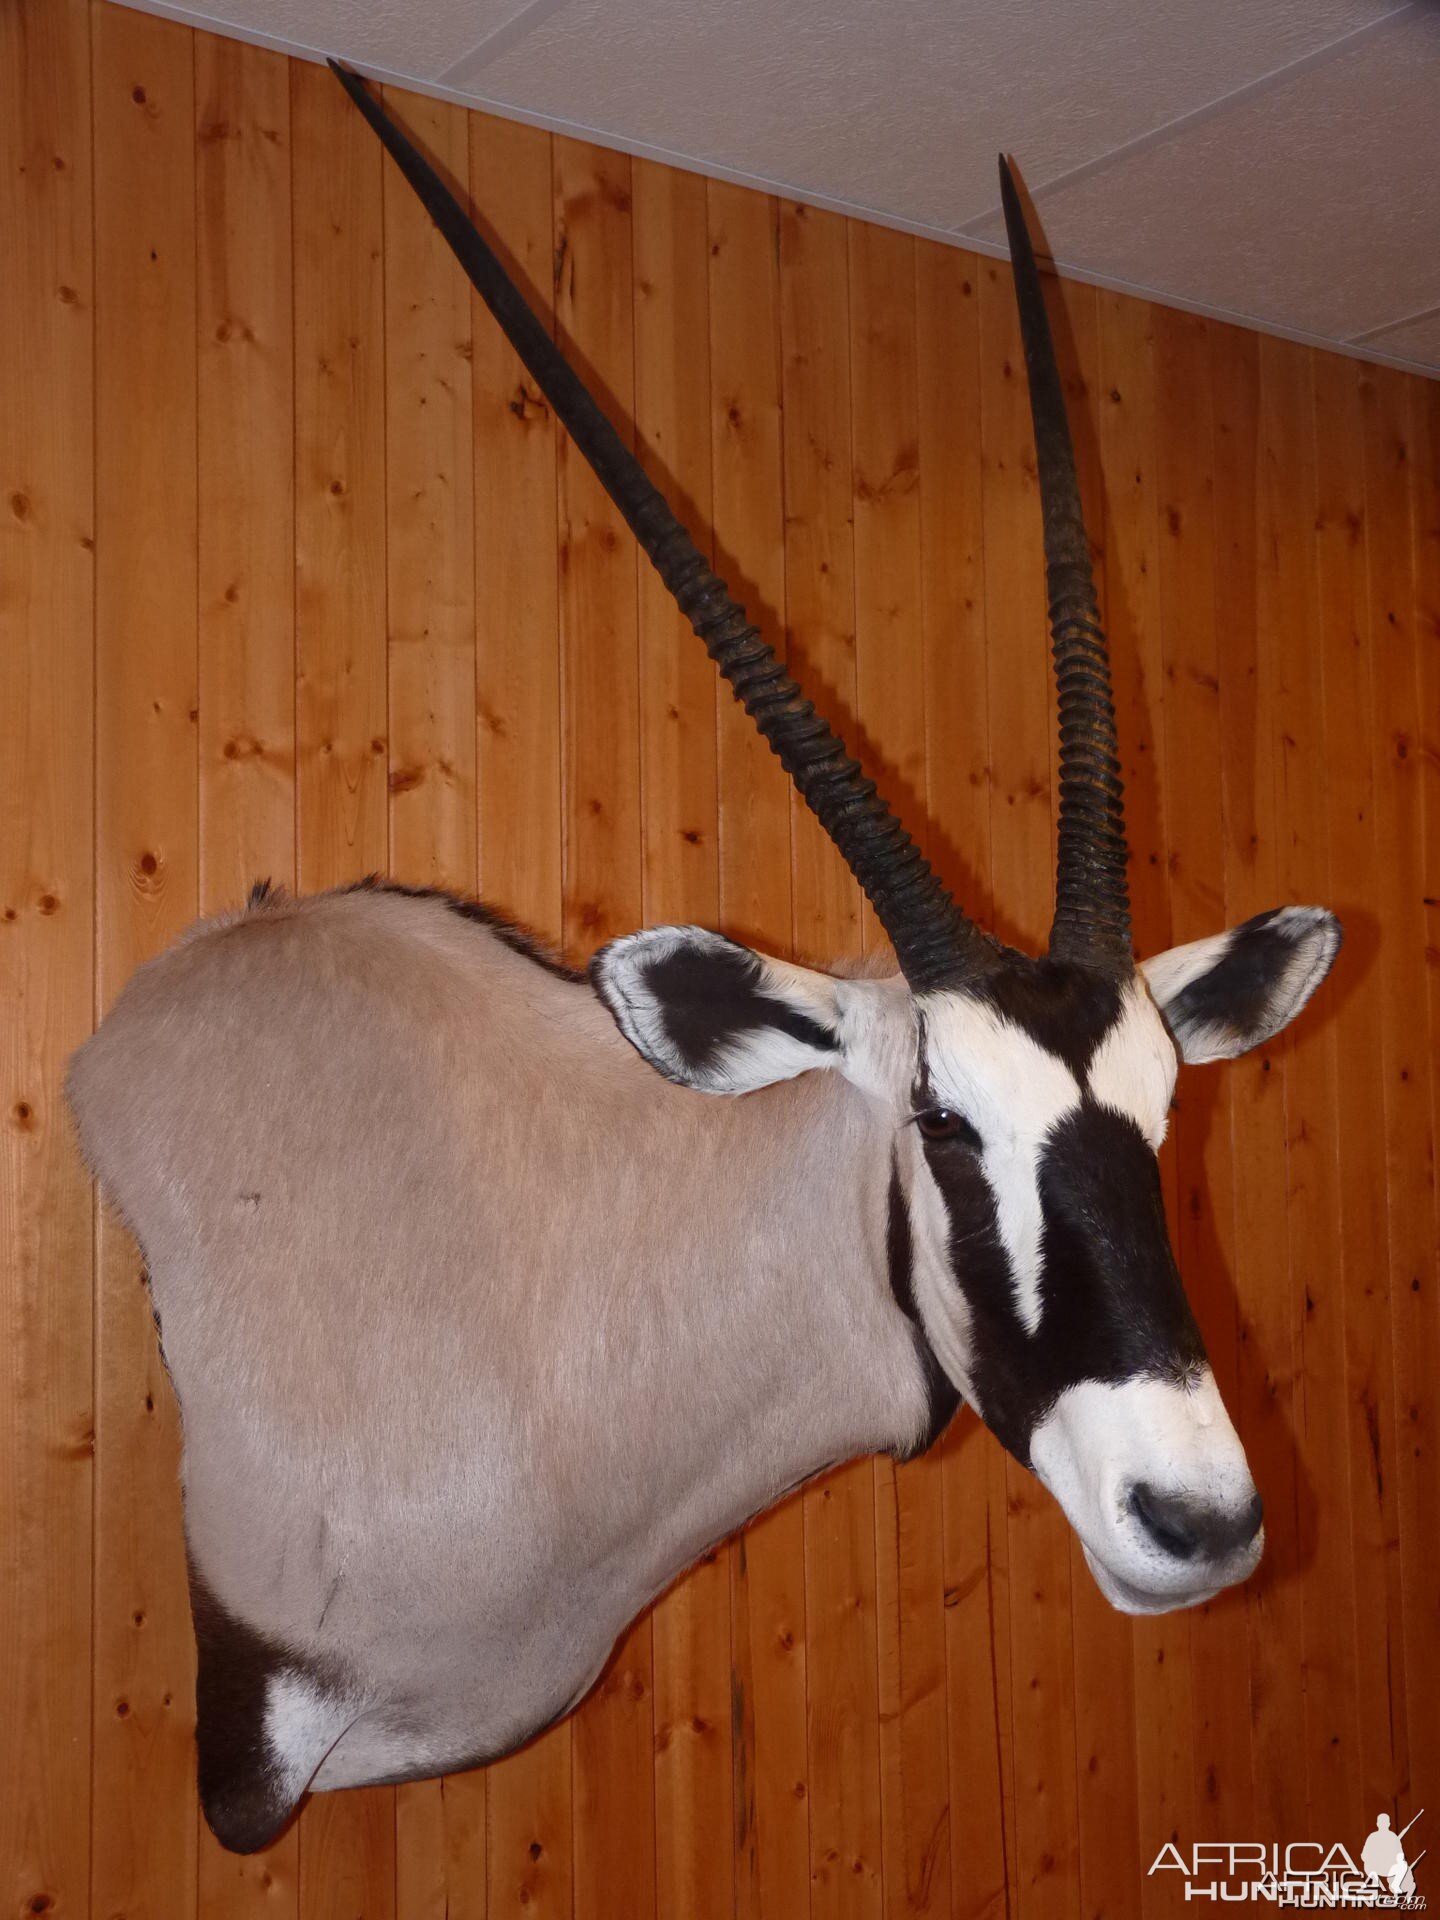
x=143, y=1858
x=47, y=951
x=305, y=583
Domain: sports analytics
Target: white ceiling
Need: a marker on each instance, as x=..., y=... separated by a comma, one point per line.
x=1272, y=161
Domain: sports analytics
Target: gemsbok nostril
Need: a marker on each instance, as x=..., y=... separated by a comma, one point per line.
x=1167, y=1518
x=1185, y=1528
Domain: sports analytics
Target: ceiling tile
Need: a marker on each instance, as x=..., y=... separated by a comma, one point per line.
x=1311, y=206
x=420, y=40
x=1417, y=340
x=899, y=106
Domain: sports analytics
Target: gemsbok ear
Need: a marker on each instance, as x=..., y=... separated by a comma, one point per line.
x=1221, y=997
x=712, y=1015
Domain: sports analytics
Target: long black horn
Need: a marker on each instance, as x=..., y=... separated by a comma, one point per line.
x=934, y=942
x=1092, y=900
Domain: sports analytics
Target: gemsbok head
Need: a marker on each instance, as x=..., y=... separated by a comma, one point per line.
x=482, y=1328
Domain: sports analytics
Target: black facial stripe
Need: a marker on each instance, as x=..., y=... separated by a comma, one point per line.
x=1066, y=1009
x=707, y=995
x=1107, y=1247
x=1238, y=992
x=943, y=1395
x=1112, y=1306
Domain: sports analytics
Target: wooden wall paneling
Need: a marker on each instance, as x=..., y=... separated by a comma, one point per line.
x=246, y=558
x=144, y=1810
x=1425, y=494
x=770, y=1794
x=678, y=688
x=1315, y=1306
x=841, y=1653
x=429, y=475
x=957, y=779
x=1362, y=1530
x=347, y=1840
x=1021, y=726
x=246, y=582
x=1249, y=619
x=47, y=951
x=518, y=778
x=1425, y=489
x=613, y=1734
x=890, y=682
x=1204, y=1215
x=1409, y=1136
x=340, y=662
x=430, y=595
x=1425, y=1304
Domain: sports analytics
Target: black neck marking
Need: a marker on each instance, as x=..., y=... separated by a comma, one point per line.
x=943, y=1395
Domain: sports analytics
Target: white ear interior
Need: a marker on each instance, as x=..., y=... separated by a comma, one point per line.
x=1234, y=991
x=710, y=1014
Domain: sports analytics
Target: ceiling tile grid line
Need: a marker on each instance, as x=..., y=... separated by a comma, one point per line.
x=1408, y=339
x=461, y=72
x=1395, y=326
x=1182, y=123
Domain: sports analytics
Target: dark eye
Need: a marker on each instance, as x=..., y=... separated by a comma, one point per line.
x=943, y=1123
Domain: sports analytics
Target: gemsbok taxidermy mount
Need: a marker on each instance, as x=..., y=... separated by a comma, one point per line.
x=494, y=1294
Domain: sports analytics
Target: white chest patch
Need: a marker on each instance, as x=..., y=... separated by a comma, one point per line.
x=1014, y=1092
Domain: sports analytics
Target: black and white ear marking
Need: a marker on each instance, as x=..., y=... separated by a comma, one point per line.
x=1221, y=997
x=710, y=1014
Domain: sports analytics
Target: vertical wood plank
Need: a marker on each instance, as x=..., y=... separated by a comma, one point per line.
x=957, y=775
x=143, y=1859
x=1312, y=1155
x=1424, y=1304
x=1042, y=1691
x=678, y=686
x=613, y=1733
x=1409, y=1138
x=890, y=682
x=1204, y=1217
x=440, y=1826
x=429, y=476
x=1246, y=607
x=1367, y=1535
x=770, y=1794
x=841, y=1673
x=528, y=1795
x=245, y=346
x=47, y=953
x=246, y=578
x=340, y=667
x=347, y=1840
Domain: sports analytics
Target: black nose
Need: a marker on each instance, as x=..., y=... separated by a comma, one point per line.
x=1188, y=1530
